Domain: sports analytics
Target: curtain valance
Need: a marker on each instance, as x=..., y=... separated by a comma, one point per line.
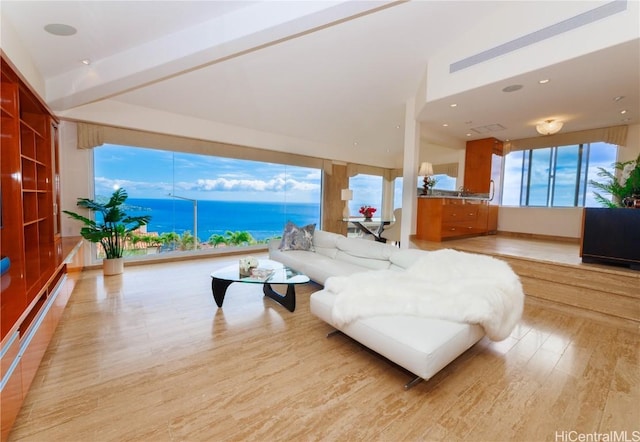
x=449, y=169
x=93, y=135
x=612, y=135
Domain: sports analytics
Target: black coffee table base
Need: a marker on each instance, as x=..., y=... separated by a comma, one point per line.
x=288, y=301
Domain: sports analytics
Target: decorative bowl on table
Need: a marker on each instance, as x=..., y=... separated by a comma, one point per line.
x=246, y=264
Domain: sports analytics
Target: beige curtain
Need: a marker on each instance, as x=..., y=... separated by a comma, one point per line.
x=356, y=169
x=449, y=169
x=392, y=174
x=93, y=135
x=90, y=136
x=612, y=135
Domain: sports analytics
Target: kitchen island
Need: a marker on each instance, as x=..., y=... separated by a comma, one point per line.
x=446, y=217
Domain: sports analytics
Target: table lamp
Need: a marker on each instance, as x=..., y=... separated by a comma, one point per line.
x=346, y=196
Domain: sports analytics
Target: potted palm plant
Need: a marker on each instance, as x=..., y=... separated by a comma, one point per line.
x=624, y=190
x=110, y=229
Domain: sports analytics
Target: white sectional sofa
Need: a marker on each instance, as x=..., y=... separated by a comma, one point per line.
x=421, y=345
x=337, y=255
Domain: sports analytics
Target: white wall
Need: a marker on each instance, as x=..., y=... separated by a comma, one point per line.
x=76, y=172
x=555, y=221
x=14, y=49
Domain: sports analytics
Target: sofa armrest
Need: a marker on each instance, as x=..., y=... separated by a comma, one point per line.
x=274, y=244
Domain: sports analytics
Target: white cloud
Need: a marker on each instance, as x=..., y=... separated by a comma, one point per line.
x=276, y=184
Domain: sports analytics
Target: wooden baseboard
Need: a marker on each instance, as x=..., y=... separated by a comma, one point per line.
x=187, y=256
x=539, y=236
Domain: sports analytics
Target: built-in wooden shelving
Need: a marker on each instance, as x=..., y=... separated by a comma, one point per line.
x=36, y=287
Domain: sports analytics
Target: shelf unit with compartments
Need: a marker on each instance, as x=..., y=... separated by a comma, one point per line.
x=41, y=266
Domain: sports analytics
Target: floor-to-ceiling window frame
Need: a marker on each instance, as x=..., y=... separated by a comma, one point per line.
x=205, y=202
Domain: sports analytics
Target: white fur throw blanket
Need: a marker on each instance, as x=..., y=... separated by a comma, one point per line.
x=444, y=284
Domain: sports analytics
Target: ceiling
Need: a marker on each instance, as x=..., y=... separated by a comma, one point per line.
x=335, y=74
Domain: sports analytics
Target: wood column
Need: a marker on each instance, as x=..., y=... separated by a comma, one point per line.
x=332, y=205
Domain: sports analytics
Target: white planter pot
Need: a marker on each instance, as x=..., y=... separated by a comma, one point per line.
x=113, y=266
x=152, y=250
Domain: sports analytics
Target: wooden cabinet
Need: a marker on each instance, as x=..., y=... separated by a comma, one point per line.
x=35, y=287
x=27, y=233
x=482, y=167
x=445, y=218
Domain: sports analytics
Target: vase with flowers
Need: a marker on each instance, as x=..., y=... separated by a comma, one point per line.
x=368, y=212
x=429, y=183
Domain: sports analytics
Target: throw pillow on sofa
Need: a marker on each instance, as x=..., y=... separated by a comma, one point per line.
x=297, y=238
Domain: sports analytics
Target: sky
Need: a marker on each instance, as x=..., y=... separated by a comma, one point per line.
x=150, y=173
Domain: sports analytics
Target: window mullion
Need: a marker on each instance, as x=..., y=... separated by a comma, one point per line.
x=525, y=188
x=553, y=165
x=576, y=196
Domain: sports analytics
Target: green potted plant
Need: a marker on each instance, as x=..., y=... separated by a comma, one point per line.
x=624, y=190
x=110, y=229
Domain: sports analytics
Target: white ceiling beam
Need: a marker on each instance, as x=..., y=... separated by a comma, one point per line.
x=238, y=32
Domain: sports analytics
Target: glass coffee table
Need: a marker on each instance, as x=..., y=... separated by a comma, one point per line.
x=223, y=278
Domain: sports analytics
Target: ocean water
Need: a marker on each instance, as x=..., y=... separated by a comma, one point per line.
x=262, y=219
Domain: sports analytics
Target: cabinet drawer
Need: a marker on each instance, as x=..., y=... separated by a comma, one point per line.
x=459, y=213
x=458, y=229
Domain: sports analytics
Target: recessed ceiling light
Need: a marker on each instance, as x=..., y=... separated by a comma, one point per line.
x=512, y=88
x=468, y=135
x=445, y=125
x=623, y=111
x=86, y=61
x=543, y=81
x=397, y=126
x=453, y=105
x=60, y=29
x=355, y=143
x=618, y=98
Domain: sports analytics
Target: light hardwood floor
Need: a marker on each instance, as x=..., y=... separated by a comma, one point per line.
x=148, y=356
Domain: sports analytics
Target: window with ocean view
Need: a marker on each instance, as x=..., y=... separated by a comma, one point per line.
x=228, y=202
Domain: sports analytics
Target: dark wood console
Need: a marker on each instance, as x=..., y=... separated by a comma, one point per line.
x=611, y=236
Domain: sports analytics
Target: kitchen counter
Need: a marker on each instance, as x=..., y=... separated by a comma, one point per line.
x=477, y=198
x=444, y=217
x=455, y=194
